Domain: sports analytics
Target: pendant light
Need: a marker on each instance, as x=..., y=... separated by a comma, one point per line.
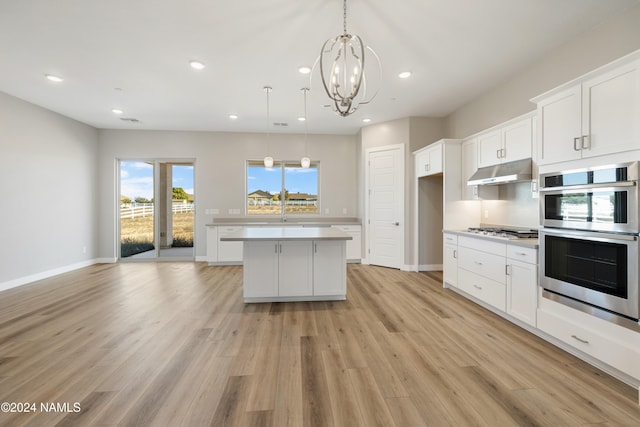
x=305, y=162
x=342, y=68
x=268, y=160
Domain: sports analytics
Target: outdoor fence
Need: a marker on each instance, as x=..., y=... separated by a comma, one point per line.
x=141, y=210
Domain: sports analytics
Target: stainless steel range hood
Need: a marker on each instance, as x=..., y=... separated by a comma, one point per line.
x=503, y=173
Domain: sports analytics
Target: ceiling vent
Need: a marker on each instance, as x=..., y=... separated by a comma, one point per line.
x=129, y=119
x=283, y=124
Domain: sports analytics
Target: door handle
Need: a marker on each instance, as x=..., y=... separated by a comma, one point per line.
x=396, y=223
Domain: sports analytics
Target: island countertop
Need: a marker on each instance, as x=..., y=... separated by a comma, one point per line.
x=285, y=233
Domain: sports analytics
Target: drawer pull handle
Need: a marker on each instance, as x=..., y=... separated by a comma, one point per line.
x=478, y=262
x=521, y=253
x=579, y=339
x=477, y=287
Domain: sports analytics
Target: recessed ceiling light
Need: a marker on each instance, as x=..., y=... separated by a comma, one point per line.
x=196, y=65
x=304, y=69
x=404, y=74
x=366, y=120
x=116, y=111
x=233, y=116
x=301, y=119
x=53, y=78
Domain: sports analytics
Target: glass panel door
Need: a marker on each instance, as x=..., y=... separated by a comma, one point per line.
x=137, y=209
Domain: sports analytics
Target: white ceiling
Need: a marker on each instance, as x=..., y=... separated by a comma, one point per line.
x=456, y=49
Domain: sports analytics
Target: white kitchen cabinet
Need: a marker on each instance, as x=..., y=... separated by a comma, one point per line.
x=522, y=283
x=605, y=341
x=278, y=268
x=482, y=270
x=212, y=245
x=510, y=141
x=428, y=161
x=354, y=246
x=229, y=252
x=469, y=162
x=295, y=268
x=260, y=271
x=450, y=264
x=594, y=116
x=329, y=268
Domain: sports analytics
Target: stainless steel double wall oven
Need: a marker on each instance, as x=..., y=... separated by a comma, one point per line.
x=589, y=240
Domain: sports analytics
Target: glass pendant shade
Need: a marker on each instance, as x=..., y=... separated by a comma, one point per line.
x=268, y=162
x=305, y=162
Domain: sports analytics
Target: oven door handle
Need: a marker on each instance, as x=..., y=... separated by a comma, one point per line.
x=589, y=235
x=569, y=188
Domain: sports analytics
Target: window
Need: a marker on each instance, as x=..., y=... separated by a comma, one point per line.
x=268, y=187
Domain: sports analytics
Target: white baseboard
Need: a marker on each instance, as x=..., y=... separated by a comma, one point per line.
x=106, y=260
x=430, y=267
x=201, y=258
x=45, y=274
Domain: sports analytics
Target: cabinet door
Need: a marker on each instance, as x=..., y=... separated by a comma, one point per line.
x=422, y=164
x=469, y=167
x=450, y=273
x=295, y=268
x=329, y=267
x=212, y=244
x=489, y=148
x=522, y=291
x=229, y=251
x=560, y=125
x=435, y=160
x=517, y=140
x=260, y=269
x=611, y=111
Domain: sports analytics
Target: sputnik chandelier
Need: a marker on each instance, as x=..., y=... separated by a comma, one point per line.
x=342, y=68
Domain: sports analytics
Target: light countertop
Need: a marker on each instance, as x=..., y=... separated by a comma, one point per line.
x=527, y=243
x=291, y=222
x=285, y=233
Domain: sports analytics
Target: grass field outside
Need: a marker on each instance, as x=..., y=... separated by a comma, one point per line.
x=136, y=234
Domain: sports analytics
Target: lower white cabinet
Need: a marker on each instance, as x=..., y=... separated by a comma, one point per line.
x=229, y=252
x=294, y=270
x=522, y=283
x=354, y=246
x=612, y=344
x=450, y=255
x=329, y=269
x=502, y=275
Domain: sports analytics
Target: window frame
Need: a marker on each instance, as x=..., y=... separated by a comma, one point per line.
x=282, y=164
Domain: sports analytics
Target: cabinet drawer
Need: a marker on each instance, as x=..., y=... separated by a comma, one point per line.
x=349, y=228
x=484, y=264
x=484, y=289
x=519, y=253
x=484, y=245
x=605, y=348
x=450, y=239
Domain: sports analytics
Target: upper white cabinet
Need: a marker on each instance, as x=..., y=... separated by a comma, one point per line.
x=509, y=142
x=429, y=160
x=596, y=115
x=469, y=167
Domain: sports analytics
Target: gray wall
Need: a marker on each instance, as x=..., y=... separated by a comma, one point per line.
x=593, y=49
x=220, y=171
x=48, y=191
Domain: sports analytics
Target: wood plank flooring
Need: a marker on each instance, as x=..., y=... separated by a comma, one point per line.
x=172, y=344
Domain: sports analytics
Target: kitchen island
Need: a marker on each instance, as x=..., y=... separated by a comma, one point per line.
x=293, y=263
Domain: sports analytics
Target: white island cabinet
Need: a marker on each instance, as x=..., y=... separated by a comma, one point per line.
x=293, y=263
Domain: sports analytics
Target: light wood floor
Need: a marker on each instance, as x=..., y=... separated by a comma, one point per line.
x=172, y=344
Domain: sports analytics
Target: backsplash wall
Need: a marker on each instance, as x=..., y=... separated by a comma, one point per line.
x=516, y=206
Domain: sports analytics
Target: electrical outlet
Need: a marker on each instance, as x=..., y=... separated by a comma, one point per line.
x=326, y=211
x=344, y=211
x=84, y=249
x=486, y=213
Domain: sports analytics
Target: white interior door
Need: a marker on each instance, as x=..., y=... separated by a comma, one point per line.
x=386, y=206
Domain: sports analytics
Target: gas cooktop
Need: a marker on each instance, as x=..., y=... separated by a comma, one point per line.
x=505, y=232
